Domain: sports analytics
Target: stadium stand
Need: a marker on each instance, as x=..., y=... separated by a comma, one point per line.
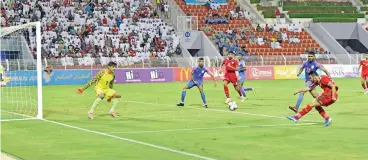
x=83, y=33
x=272, y=42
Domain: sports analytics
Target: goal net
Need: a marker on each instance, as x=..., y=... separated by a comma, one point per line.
x=20, y=72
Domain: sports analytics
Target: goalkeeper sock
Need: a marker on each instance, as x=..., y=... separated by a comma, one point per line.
x=115, y=102
x=95, y=104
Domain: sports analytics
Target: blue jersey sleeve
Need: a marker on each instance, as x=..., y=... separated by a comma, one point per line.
x=318, y=65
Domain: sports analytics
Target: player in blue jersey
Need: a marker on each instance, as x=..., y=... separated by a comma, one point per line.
x=197, y=80
x=311, y=65
x=241, y=79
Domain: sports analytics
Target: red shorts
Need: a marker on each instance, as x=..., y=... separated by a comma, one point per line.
x=364, y=75
x=231, y=77
x=326, y=98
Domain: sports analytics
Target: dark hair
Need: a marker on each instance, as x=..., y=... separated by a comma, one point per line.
x=311, y=53
x=312, y=73
x=112, y=64
x=201, y=59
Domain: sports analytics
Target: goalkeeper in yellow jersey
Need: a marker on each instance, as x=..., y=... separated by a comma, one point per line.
x=103, y=81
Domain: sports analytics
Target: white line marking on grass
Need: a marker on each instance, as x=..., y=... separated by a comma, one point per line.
x=219, y=110
x=214, y=128
x=122, y=138
x=9, y=120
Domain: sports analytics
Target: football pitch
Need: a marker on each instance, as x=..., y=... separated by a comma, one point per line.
x=150, y=126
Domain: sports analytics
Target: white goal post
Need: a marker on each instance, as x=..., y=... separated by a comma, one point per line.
x=21, y=80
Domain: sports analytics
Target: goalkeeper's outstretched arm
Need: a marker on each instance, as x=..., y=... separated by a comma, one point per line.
x=91, y=82
x=112, y=82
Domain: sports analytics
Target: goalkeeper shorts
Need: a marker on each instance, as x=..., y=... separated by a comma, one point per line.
x=108, y=93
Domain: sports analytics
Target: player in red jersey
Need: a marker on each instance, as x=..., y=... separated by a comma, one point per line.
x=328, y=97
x=231, y=66
x=364, y=66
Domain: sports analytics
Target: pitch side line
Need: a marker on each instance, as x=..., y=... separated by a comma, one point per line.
x=122, y=138
x=219, y=110
x=215, y=128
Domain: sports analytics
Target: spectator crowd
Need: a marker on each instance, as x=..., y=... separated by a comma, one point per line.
x=126, y=31
x=229, y=41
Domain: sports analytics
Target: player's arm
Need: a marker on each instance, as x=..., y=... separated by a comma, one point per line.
x=303, y=90
x=300, y=70
x=243, y=66
x=326, y=71
x=333, y=90
x=360, y=66
x=112, y=82
x=91, y=82
x=213, y=78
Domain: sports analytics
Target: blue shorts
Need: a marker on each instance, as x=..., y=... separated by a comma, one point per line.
x=241, y=79
x=309, y=84
x=191, y=84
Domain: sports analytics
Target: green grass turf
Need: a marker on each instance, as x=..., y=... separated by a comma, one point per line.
x=243, y=139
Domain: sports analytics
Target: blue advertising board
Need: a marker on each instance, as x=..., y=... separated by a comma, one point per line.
x=22, y=78
x=57, y=77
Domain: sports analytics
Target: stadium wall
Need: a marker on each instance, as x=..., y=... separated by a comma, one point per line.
x=154, y=75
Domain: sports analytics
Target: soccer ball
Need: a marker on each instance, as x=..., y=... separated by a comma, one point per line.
x=233, y=106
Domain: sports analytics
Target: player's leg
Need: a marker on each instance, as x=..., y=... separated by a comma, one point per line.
x=240, y=87
x=365, y=83
x=304, y=111
x=325, y=99
x=203, y=96
x=226, y=89
x=100, y=96
x=300, y=99
x=314, y=93
x=112, y=94
x=189, y=85
x=234, y=81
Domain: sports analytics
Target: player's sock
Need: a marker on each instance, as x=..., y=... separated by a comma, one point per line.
x=299, y=101
x=203, y=98
x=115, y=102
x=183, y=93
x=239, y=92
x=94, y=105
x=303, y=112
x=322, y=113
x=226, y=89
x=242, y=90
x=247, y=89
